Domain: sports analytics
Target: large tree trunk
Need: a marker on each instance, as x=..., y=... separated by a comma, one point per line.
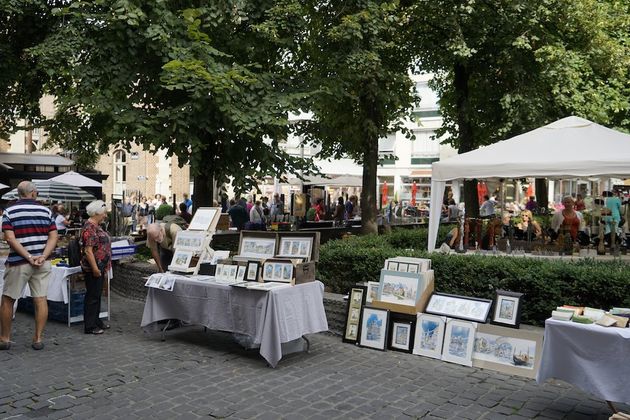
x=368, y=191
x=202, y=191
x=466, y=141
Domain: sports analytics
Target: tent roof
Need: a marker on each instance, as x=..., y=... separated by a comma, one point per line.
x=570, y=147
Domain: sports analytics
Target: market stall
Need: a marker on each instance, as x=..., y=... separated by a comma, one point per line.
x=568, y=148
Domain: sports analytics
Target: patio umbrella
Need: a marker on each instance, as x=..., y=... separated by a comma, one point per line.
x=54, y=191
x=414, y=191
x=76, y=179
x=2, y=186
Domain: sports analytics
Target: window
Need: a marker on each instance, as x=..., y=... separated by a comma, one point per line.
x=120, y=171
x=424, y=146
x=387, y=144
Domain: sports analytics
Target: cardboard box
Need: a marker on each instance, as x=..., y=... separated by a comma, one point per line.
x=421, y=304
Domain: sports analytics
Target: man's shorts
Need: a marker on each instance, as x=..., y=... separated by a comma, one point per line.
x=17, y=276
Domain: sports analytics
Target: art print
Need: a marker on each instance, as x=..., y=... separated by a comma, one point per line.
x=507, y=309
x=181, y=260
x=205, y=219
x=507, y=350
x=429, y=335
x=374, y=323
x=218, y=273
x=403, y=267
x=356, y=301
x=291, y=246
x=190, y=240
x=463, y=307
x=372, y=291
x=459, y=339
x=153, y=281
x=401, y=288
x=240, y=274
x=258, y=247
x=252, y=270
x=166, y=283
x=392, y=266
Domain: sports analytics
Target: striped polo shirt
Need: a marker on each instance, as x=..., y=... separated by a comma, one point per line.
x=31, y=223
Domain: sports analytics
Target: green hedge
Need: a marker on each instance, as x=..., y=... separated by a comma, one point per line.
x=546, y=283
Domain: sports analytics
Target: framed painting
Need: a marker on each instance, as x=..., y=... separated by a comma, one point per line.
x=254, y=247
x=514, y=352
x=181, y=260
x=391, y=266
x=373, y=332
x=459, y=338
x=278, y=271
x=205, y=219
x=507, y=309
x=429, y=335
x=190, y=240
x=252, y=271
x=356, y=302
x=372, y=291
x=295, y=247
x=218, y=273
x=401, y=288
x=462, y=307
x=401, y=332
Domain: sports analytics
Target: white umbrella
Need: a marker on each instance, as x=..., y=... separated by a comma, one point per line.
x=2, y=186
x=54, y=191
x=76, y=179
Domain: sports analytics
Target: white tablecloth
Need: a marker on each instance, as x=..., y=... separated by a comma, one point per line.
x=268, y=318
x=595, y=359
x=58, y=284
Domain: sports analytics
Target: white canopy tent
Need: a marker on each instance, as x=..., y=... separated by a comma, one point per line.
x=568, y=148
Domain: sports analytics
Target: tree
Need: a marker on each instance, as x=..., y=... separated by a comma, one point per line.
x=503, y=68
x=23, y=25
x=352, y=60
x=199, y=81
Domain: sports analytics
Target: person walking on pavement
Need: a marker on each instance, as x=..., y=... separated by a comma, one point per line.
x=96, y=262
x=31, y=233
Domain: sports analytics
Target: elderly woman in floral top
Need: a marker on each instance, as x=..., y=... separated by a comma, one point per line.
x=96, y=262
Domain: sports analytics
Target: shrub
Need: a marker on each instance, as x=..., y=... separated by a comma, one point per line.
x=163, y=210
x=546, y=283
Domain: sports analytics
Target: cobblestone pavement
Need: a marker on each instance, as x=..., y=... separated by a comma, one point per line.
x=129, y=374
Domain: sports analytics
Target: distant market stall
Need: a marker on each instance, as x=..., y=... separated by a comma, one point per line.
x=568, y=148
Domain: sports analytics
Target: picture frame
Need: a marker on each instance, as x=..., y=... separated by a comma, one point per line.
x=419, y=264
x=508, y=350
x=240, y=274
x=401, y=288
x=205, y=219
x=372, y=291
x=295, y=247
x=256, y=247
x=218, y=273
x=459, y=339
x=429, y=335
x=461, y=307
x=278, y=271
x=507, y=308
x=356, y=301
x=253, y=271
x=403, y=267
x=190, y=240
x=401, y=332
x=391, y=266
x=374, y=325
x=181, y=260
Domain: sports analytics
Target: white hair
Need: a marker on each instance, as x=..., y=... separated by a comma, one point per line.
x=96, y=207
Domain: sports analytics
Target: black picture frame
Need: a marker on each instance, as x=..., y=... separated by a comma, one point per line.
x=376, y=343
x=354, y=312
x=512, y=302
x=249, y=264
x=479, y=313
x=396, y=321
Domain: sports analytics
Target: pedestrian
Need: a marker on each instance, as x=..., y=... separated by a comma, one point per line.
x=238, y=214
x=487, y=207
x=339, y=211
x=189, y=203
x=32, y=235
x=277, y=207
x=160, y=240
x=96, y=262
x=256, y=217
x=184, y=213
x=61, y=219
x=320, y=211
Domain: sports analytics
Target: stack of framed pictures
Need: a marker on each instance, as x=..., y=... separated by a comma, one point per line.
x=191, y=246
x=230, y=273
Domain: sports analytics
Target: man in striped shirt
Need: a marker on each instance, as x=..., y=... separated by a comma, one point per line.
x=31, y=233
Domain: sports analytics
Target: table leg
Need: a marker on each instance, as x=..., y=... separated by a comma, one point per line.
x=308, y=344
x=168, y=323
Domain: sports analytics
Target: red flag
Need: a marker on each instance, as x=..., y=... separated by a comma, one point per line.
x=384, y=193
x=414, y=191
x=530, y=190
